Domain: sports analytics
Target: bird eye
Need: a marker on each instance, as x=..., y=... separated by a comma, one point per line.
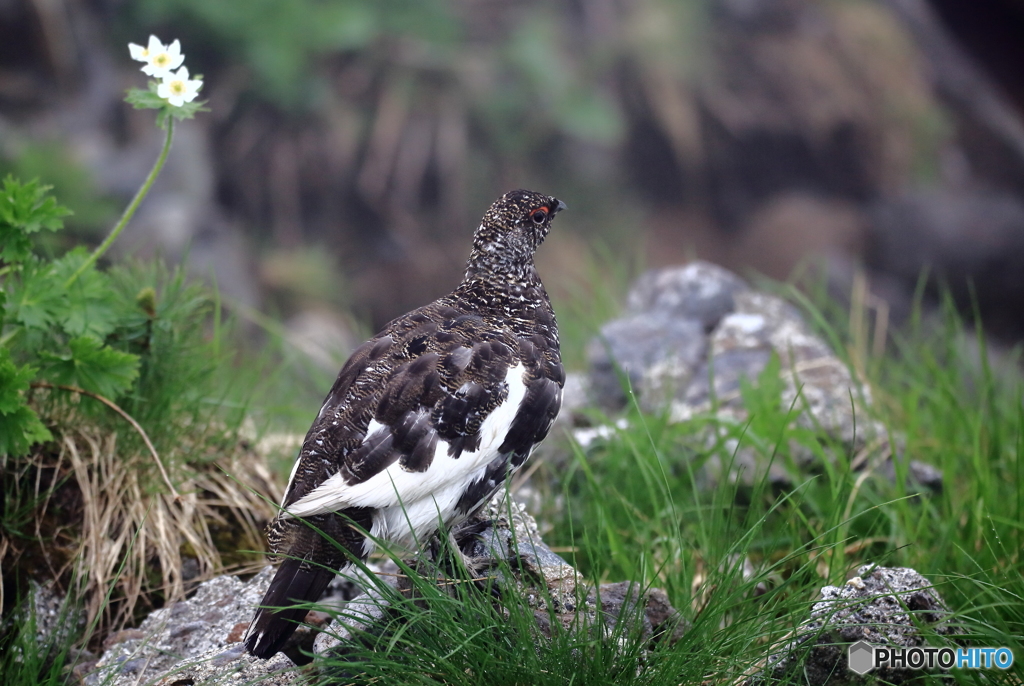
x=539, y=215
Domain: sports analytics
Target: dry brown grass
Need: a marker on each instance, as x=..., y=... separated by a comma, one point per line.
x=103, y=520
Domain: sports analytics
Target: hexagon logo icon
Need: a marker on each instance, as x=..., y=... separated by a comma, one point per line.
x=861, y=657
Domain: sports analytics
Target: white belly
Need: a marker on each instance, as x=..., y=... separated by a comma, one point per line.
x=428, y=492
x=412, y=525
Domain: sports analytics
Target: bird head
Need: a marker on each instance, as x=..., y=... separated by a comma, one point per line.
x=510, y=233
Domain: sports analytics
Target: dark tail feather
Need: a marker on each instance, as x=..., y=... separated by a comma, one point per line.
x=296, y=582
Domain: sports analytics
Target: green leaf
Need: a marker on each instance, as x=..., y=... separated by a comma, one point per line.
x=92, y=366
x=187, y=110
x=20, y=426
x=145, y=99
x=91, y=299
x=25, y=208
x=15, y=245
x=149, y=100
x=19, y=430
x=14, y=381
x=39, y=299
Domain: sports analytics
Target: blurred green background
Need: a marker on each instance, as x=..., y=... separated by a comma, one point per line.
x=351, y=146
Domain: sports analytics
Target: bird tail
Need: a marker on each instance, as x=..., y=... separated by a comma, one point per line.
x=297, y=582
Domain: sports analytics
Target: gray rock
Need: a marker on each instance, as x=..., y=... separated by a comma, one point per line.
x=660, y=342
x=720, y=379
x=919, y=477
x=219, y=666
x=360, y=615
x=817, y=384
x=700, y=291
x=882, y=606
x=55, y=619
x=693, y=335
x=194, y=641
x=565, y=596
x=656, y=351
x=55, y=623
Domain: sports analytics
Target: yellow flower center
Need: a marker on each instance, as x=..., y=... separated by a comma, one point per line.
x=161, y=60
x=177, y=87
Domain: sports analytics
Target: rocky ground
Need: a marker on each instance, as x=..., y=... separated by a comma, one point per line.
x=688, y=339
x=199, y=640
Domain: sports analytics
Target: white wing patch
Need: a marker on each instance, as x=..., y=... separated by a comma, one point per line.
x=441, y=482
x=291, y=478
x=373, y=427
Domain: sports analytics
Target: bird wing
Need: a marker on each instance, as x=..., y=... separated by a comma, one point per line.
x=429, y=402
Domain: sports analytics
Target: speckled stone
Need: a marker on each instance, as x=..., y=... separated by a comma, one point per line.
x=881, y=605
x=192, y=640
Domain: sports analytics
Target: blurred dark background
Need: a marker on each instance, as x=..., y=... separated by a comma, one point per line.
x=352, y=145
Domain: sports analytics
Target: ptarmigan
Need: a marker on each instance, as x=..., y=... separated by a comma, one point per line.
x=426, y=419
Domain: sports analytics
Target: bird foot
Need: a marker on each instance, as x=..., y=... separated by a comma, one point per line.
x=461, y=554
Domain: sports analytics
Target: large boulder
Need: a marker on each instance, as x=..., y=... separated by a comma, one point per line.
x=690, y=341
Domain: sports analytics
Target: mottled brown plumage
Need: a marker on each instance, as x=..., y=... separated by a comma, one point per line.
x=426, y=419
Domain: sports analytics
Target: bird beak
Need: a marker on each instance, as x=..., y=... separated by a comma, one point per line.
x=558, y=208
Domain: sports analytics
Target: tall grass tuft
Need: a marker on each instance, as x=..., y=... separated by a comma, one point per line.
x=170, y=470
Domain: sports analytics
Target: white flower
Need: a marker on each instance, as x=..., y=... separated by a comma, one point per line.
x=140, y=53
x=177, y=88
x=160, y=59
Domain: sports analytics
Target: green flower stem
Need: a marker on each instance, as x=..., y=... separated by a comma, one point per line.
x=130, y=210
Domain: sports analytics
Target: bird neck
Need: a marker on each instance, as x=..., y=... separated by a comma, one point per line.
x=497, y=285
x=500, y=274
x=502, y=258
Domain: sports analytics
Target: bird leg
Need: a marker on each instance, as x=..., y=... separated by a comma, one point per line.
x=476, y=556
x=469, y=539
x=461, y=554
